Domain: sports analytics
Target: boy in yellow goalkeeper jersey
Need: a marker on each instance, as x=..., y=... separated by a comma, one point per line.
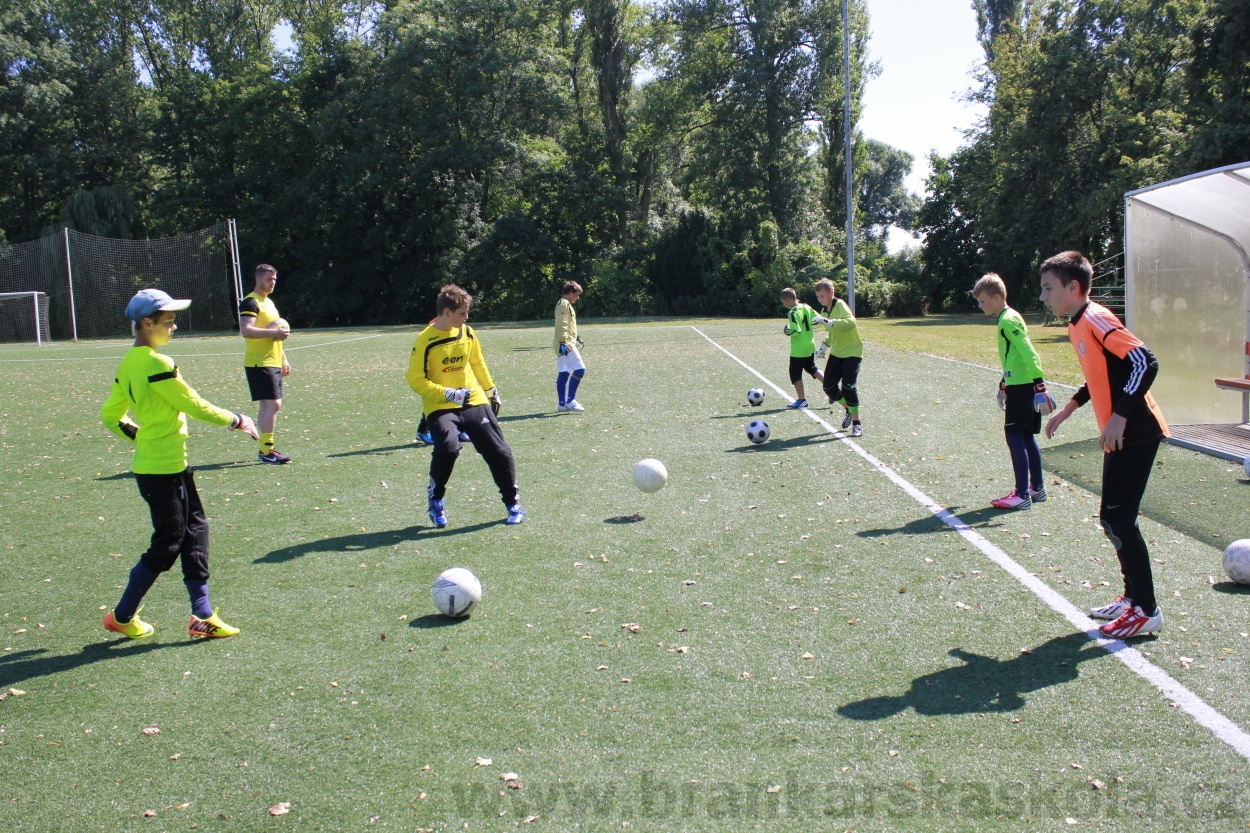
x=447, y=369
x=148, y=385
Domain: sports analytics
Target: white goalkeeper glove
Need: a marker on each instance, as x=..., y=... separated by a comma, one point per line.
x=1002, y=394
x=822, y=350
x=457, y=396
x=1043, y=402
x=243, y=422
x=820, y=319
x=496, y=401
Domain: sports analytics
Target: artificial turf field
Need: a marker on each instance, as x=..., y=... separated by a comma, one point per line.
x=781, y=639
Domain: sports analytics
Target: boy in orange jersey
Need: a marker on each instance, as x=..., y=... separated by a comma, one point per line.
x=1119, y=370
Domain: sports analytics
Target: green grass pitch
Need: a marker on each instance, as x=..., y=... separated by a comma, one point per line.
x=784, y=641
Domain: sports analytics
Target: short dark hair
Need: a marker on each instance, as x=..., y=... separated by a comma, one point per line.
x=571, y=286
x=789, y=293
x=263, y=269
x=1070, y=266
x=452, y=297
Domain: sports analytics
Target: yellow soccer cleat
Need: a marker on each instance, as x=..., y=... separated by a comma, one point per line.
x=136, y=628
x=212, y=627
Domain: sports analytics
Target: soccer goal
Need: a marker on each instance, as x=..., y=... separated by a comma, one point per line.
x=87, y=280
x=24, y=317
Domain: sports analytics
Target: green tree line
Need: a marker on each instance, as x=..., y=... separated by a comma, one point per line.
x=1087, y=99
x=680, y=156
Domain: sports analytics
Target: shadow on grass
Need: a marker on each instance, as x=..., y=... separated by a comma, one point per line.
x=127, y=475
x=754, y=413
x=362, y=541
x=387, y=449
x=1165, y=501
x=975, y=518
x=783, y=445
x=1232, y=588
x=624, y=519
x=983, y=684
x=541, y=415
x=436, y=620
x=29, y=665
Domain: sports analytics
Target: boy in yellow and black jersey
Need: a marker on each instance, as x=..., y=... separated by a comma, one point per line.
x=447, y=370
x=149, y=385
x=264, y=359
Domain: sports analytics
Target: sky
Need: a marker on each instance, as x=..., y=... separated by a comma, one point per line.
x=927, y=50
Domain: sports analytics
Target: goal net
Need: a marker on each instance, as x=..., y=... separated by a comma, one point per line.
x=24, y=317
x=88, y=280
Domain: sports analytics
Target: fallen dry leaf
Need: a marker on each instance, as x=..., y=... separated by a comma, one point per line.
x=529, y=819
x=626, y=680
x=1071, y=820
x=808, y=656
x=602, y=668
x=147, y=814
x=483, y=761
x=774, y=789
x=280, y=809
x=509, y=776
x=16, y=692
x=632, y=627
x=1098, y=785
x=151, y=730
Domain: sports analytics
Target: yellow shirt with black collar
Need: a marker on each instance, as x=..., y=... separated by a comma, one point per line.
x=444, y=360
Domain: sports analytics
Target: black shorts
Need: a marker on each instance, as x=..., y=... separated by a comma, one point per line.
x=1020, y=416
x=264, y=382
x=800, y=363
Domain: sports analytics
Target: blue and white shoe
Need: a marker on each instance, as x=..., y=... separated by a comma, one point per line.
x=465, y=438
x=798, y=403
x=425, y=437
x=438, y=516
x=515, y=514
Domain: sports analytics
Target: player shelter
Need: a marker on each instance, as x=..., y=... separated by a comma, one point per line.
x=1187, y=295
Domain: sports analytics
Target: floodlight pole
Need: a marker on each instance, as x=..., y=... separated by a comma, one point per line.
x=846, y=128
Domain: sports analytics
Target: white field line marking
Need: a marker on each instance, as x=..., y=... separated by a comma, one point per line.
x=198, y=355
x=1223, y=728
x=981, y=366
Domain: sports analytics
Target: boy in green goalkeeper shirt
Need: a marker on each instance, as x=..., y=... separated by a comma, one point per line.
x=149, y=385
x=1022, y=395
x=799, y=324
x=846, y=352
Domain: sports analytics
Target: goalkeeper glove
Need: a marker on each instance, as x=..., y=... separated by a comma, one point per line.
x=820, y=319
x=457, y=396
x=1043, y=402
x=495, y=400
x=1002, y=394
x=129, y=429
x=822, y=349
x=786, y=330
x=564, y=349
x=243, y=422
x=581, y=345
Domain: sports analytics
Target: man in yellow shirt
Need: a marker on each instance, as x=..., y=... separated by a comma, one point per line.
x=447, y=369
x=149, y=385
x=570, y=369
x=264, y=360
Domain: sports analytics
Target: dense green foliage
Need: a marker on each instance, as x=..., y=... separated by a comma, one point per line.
x=678, y=156
x=1087, y=99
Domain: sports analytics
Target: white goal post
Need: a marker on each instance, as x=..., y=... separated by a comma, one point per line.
x=24, y=317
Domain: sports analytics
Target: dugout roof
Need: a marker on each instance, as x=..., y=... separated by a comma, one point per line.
x=1187, y=289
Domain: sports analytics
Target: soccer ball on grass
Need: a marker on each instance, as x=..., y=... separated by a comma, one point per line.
x=456, y=591
x=650, y=475
x=755, y=396
x=1237, y=561
x=758, y=431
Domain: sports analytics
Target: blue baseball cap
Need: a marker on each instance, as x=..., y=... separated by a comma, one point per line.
x=148, y=302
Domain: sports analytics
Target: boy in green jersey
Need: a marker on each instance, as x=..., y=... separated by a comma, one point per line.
x=1021, y=394
x=149, y=385
x=799, y=323
x=846, y=352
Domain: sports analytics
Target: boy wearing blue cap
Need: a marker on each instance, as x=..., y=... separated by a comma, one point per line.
x=149, y=385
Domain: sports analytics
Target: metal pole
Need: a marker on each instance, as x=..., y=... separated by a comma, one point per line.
x=846, y=127
x=69, y=276
x=236, y=265
x=38, y=334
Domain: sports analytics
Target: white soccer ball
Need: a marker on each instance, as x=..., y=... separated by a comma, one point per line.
x=755, y=396
x=650, y=475
x=280, y=324
x=758, y=431
x=1237, y=561
x=456, y=591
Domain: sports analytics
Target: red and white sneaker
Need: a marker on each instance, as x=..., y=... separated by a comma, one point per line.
x=1111, y=611
x=1012, y=501
x=1134, y=622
